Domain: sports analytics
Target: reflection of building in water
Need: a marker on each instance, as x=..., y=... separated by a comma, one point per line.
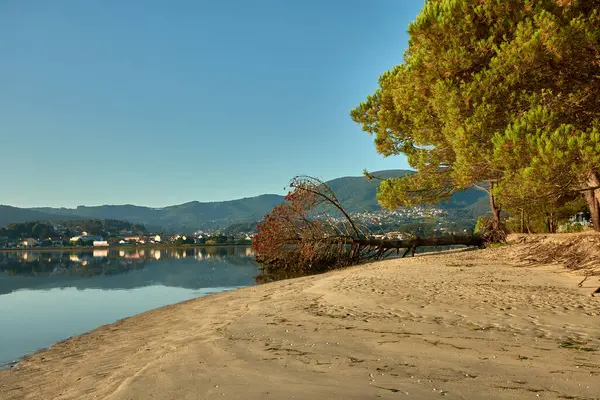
x=132, y=256
x=106, y=262
x=155, y=254
x=30, y=256
x=202, y=254
x=80, y=258
x=179, y=253
x=220, y=253
x=83, y=264
x=100, y=253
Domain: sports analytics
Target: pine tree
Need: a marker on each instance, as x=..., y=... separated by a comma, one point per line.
x=491, y=91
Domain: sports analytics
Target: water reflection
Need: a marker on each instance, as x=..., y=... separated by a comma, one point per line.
x=181, y=267
x=49, y=296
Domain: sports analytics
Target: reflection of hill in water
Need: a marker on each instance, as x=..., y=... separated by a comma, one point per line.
x=192, y=268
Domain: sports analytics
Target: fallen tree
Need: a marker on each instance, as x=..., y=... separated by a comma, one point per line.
x=311, y=233
x=413, y=243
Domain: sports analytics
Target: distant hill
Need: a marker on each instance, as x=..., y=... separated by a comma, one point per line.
x=356, y=193
x=10, y=214
x=359, y=194
x=183, y=217
x=220, y=214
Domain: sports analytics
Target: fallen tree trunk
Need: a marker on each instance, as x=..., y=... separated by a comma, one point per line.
x=474, y=240
x=338, y=252
x=383, y=246
x=297, y=238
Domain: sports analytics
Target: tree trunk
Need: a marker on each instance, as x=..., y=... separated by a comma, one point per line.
x=494, y=208
x=522, y=220
x=474, y=240
x=551, y=222
x=592, y=197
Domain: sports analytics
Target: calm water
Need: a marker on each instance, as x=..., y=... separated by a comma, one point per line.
x=49, y=296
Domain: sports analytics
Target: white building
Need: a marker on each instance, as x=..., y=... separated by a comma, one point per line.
x=134, y=239
x=30, y=242
x=86, y=239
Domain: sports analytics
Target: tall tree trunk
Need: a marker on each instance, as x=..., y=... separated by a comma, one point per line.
x=592, y=197
x=592, y=202
x=494, y=207
x=522, y=220
x=596, y=183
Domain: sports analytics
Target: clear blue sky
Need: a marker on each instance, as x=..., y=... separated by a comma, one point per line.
x=163, y=102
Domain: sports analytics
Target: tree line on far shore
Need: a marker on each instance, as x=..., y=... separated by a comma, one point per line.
x=68, y=228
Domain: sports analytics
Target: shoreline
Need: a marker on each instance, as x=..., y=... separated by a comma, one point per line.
x=120, y=247
x=472, y=324
x=13, y=363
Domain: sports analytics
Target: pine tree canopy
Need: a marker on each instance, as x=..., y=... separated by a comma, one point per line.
x=492, y=91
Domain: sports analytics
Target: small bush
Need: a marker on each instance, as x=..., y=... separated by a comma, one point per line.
x=571, y=228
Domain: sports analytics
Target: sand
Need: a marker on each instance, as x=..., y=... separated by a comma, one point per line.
x=471, y=325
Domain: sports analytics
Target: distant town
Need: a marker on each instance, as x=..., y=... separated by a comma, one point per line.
x=104, y=234
x=114, y=233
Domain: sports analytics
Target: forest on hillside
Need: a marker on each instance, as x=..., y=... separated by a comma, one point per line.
x=45, y=229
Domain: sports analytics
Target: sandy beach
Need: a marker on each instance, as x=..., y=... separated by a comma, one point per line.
x=483, y=324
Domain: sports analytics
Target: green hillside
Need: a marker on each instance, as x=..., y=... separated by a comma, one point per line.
x=10, y=214
x=356, y=193
x=185, y=217
x=359, y=194
x=218, y=214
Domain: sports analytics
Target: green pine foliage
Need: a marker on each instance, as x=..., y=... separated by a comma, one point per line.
x=505, y=92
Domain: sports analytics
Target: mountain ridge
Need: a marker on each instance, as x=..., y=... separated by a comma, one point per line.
x=140, y=206
x=356, y=194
